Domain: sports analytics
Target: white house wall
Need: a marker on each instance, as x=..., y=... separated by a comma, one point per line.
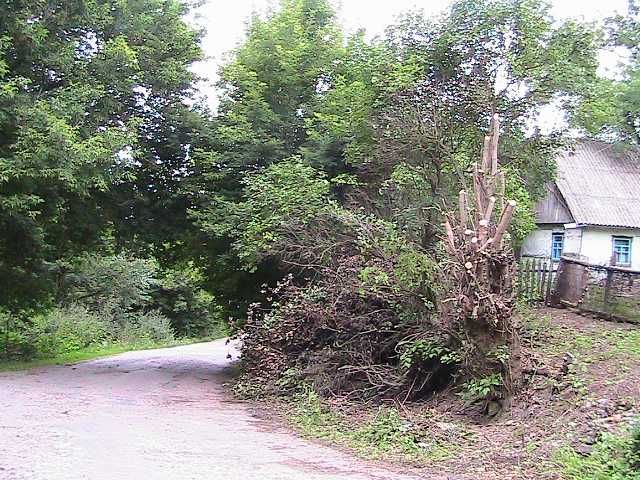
x=593, y=244
x=597, y=245
x=538, y=243
x=573, y=241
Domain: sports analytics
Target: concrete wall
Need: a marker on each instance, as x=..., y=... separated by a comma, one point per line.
x=594, y=245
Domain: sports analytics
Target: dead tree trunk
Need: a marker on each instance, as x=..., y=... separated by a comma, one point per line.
x=479, y=276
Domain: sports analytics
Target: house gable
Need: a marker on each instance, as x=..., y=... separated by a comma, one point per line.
x=553, y=209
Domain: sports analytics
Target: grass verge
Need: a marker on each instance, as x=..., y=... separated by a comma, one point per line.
x=93, y=353
x=381, y=433
x=614, y=457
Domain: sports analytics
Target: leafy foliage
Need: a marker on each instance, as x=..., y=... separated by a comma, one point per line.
x=481, y=387
x=612, y=107
x=104, y=299
x=395, y=125
x=289, y=190
x=121, y=287
x=68, y=330
x=89, y=90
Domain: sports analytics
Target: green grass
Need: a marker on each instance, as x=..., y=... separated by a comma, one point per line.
x=614, y=457
x=604, y=343
x=382, y=434
x=93, y=353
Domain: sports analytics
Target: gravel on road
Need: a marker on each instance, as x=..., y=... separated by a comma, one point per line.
x=154, y=415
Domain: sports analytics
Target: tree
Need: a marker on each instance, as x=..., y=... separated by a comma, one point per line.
x=612, y=110
x=449, y=76
x=268, y=90
x=270, y=86
x=82, y=85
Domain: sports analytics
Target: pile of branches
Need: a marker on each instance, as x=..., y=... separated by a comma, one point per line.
x=343, y=325
x=365, y=312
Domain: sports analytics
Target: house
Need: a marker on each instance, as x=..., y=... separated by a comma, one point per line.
x=593, y=208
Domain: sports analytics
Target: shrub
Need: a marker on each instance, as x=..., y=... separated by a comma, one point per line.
x=116, y=283
x=150, y=327
x=180, y=296
x=344, y=332
x=121, y=286
x=69, y=329
x=15, y=338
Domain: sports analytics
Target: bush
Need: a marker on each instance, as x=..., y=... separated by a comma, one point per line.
x=119, y=284
x=72, y=328
x=150, y=327
x=114, y=299
x=68, y=329
x=180, y=296
x=15, y=339
x=345, y=332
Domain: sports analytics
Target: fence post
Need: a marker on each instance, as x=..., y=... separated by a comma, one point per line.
x=543, y=282
x=532, y=280
x=547, y=295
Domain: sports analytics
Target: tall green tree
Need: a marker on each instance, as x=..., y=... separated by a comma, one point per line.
x=269, y=87
x=83, y=85
x=268, y=92
x=612, y=111
x=408, y=112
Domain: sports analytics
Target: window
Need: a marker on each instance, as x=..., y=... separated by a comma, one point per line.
x=622, y=250
x=557, y=245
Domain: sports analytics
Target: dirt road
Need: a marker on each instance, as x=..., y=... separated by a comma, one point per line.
x=152, y=415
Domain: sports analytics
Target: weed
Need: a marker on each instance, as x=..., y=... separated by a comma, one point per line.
x=387, y=433
x=422, y=350
x=315, y=418
x=614, y=457
x=480, y=387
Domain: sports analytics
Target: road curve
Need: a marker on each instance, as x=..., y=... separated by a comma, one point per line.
x=153, y=415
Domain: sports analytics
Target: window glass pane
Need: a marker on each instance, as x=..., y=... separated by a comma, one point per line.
x=622, y=250
x=557, y=245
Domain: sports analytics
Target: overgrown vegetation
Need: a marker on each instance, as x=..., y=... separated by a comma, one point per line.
x=94, y=146
x=312, y=212
x=113, y=300
x=614, y=457
x=384, y=433
x=574, y=419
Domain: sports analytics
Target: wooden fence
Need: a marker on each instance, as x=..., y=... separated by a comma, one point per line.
x=536, y=278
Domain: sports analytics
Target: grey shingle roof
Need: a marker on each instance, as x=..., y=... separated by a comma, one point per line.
x=600, y=183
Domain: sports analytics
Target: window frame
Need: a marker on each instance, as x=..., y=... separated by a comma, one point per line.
x=554, y=235
x=614, y=252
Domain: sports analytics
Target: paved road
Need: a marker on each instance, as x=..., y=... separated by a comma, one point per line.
x=152, y=415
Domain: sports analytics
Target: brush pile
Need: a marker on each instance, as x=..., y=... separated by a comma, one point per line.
x=367, y=313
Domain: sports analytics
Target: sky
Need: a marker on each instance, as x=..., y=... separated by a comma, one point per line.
x=225, y=23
